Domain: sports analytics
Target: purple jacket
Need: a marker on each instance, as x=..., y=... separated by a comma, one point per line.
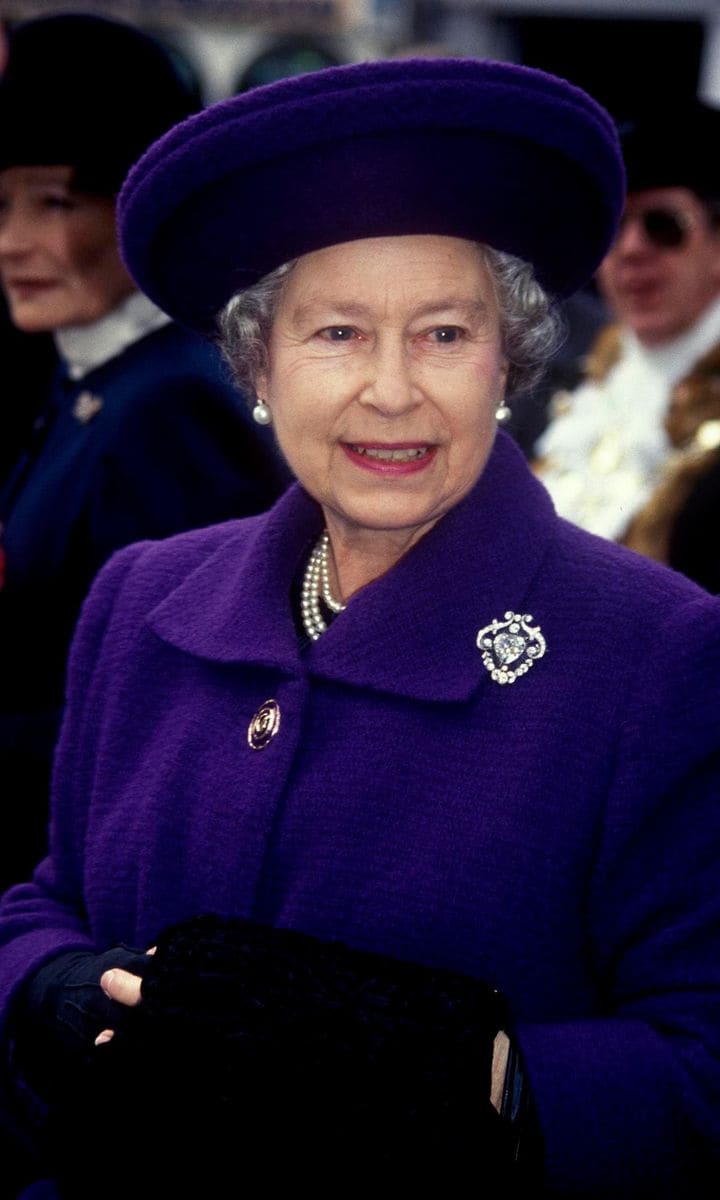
x=558, y=836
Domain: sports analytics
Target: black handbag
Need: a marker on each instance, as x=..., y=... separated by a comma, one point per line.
x=267, y=1053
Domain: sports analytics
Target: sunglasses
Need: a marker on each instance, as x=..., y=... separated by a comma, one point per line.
x=664, y=228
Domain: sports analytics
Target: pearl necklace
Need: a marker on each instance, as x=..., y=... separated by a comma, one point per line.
x=316, y=584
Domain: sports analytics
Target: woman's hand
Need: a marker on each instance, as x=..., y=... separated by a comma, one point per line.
x=61, y=1010
x=124, y=988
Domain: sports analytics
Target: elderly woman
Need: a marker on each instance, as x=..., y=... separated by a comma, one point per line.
x=407, y=749
x=140, y=433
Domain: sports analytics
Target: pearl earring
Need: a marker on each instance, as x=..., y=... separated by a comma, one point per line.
x=503, y=413
x=261, y=413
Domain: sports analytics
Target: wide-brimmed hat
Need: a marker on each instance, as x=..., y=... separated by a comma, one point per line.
x=90, y=93
x=492, y=152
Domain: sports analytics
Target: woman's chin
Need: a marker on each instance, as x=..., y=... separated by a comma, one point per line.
x=28, y=320
x=392, y=517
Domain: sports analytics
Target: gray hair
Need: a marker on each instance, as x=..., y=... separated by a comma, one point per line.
x=530, y=322
x=531, y=325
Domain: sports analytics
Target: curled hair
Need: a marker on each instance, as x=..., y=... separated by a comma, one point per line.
x=244, y=326
x=530, y=324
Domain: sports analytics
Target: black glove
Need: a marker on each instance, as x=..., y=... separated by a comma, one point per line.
x=60, y=1012
x=53, y=1025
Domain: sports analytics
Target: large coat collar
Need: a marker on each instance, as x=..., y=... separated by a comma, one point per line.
x=410, y=633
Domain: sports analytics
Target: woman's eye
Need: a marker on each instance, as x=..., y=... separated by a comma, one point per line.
x=337, y=333
x=56, y=200
x=446, y=335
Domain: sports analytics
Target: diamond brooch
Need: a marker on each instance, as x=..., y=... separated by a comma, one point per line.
x=510, y=647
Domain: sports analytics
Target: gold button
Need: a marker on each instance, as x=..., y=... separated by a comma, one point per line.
x=264, y=725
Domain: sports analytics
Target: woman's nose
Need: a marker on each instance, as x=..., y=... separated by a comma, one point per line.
x=16, y=232
x=390, y=385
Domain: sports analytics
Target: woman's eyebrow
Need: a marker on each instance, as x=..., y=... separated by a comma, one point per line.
x=49, y=175
x=311, y=308
x=471, y=309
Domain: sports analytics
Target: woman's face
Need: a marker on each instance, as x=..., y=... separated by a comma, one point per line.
x=385, y=368
x=59, y=261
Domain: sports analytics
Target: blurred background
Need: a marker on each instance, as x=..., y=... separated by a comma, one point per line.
x=620, y=50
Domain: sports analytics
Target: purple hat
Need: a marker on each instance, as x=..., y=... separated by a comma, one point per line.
x=495, y=153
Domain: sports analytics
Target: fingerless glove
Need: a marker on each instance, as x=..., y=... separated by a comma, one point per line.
x=62, y=1009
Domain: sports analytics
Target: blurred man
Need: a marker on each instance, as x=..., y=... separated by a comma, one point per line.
x=634, y=453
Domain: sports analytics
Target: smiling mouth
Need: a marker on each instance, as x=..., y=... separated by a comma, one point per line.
x=404, y=454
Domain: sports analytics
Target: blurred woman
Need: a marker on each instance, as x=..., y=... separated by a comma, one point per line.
x=142, y=434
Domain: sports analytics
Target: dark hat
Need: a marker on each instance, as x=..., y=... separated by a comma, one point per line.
x=673, y=145
x=90, y=93
x=496, y=153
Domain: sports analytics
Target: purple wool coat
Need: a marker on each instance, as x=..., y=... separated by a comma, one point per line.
x=558, y=836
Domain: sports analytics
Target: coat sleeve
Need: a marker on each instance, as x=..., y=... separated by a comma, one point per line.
x=46, y=916
x=629, y=1101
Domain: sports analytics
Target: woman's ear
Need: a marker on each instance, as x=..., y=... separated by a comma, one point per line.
x=503, y=376
x=260, y=387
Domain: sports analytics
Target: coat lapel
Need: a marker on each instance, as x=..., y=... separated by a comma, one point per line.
x=411, y=633
x=235, y=606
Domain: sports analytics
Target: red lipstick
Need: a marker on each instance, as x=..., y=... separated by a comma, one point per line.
x=390, y=458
